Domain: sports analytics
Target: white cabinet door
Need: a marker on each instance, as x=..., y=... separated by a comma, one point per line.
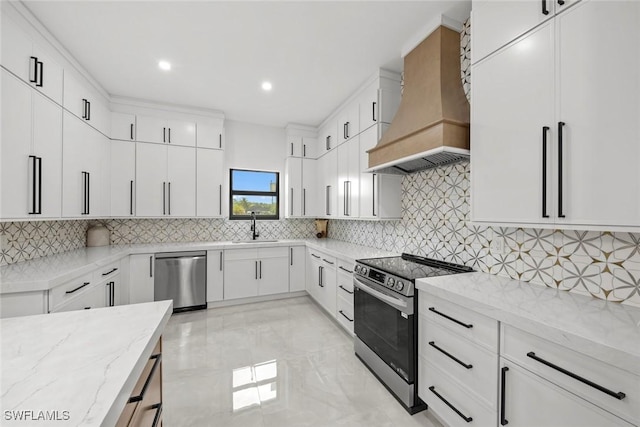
x=348, y=179
x=16, y=49
x=101, y=197
x=49, y=75
x=521, y=388
x=273, y=269
x=328, y=288
x=209, y=182
x=327, y=138
x=240, y=278
x=309, y=188
x=81, y=156
x=151, y=129
x=210, y=135
x=309, y=147
x=348, y=122
x=151, y=180
x=123, y=126
x=328, y=166
x=312, y=284
x=123, y=175
x=181, y=177
x=294, y=146
x=17, y=168
x=506, y=142
x=496, y=23
x=601, y=149
x=141, y=277
x=293, y=186
x=215, y=276
x=181, y=133
x=297, y=268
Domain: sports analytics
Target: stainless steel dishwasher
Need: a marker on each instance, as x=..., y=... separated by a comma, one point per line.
x=182, y=277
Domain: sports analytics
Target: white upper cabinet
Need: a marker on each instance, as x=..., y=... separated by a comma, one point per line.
x=181, y=178
x=28, y=61
x=293, y=186
x=348, y=122
x=379, y=103
x=349, y=179
x=86, y=103
x=327, y=139
x=210, y=178
x=31, y=152
x=310, y=197
x=160, y=130
x=123, y=126
x=301, y=146
x=210, y=134
x=328, y=189
x=587, y=174
x=123, y=175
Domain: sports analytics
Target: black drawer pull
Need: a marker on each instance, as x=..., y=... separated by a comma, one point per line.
x=110, y=271
x=545, y=11
x=346, y=290
x=468, y=326
x=503, y=398
x=463, y=416
x=345, y=316
x=156, y=418
x=328, y=262
x=618, y=395
x=344, y=269
x=433, y=344
x=315, y=256
x=156, y=363
x=78, y=288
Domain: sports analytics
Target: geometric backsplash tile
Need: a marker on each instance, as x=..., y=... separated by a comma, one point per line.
x=435, y=223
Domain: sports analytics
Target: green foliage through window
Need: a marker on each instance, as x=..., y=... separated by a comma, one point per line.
x=254, y=191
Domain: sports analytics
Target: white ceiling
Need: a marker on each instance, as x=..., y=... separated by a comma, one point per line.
x=316, y=53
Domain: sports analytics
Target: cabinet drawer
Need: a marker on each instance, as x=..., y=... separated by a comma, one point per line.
x=63, y=293
x=279, y=252
x=571, y=369
x=106, y=272
x=93, y=296
x=473, y=326
x=239, y=254
x=431, y=381
x=471, y=366
x=328, y=261
x=344, y=313
x=346, y=267
x=345, y=288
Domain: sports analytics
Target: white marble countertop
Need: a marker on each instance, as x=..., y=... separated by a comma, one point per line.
x=42, y=274
x=85, y=362
x=607, y=331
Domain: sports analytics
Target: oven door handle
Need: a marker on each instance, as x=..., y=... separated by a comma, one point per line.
x=394, y=302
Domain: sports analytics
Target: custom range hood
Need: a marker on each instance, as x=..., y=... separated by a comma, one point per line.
x=431, y=126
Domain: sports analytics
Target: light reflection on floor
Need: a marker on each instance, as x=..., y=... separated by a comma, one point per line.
x=253, y=385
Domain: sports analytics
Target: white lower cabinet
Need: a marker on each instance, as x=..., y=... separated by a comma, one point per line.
x=23, y=304
x=255, y=272
x=215, y=276
x=321, y=279
x=297, y=268
x=344, y=294
x=91, y=297
x=141, y=278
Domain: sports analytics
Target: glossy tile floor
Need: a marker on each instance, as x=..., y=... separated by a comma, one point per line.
x=277, y=363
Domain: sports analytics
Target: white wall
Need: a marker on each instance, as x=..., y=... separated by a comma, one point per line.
x=257, y=147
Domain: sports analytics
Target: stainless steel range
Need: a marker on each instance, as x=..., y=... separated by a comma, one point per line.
x=385, y=321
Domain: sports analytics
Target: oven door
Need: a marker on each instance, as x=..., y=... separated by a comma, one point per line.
x=385, y=323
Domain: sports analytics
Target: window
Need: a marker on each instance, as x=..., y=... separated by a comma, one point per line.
x=254, y=191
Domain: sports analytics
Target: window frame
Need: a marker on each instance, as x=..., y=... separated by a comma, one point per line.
x=276, y=194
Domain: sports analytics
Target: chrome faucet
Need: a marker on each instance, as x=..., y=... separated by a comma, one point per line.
x=255, y=233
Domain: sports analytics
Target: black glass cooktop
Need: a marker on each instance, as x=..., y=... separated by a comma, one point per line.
x=411, y=267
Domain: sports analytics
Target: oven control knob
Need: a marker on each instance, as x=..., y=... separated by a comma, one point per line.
x=357, y=269
x=399, y=285
x=390, y=282
x=363, y=270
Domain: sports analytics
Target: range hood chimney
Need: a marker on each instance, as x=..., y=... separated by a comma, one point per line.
x=431, y=127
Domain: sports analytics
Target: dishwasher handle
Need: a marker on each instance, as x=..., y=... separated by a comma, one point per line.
x=191, y=255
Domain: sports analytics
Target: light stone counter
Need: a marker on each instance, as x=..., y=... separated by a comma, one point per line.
x=85, y=362
x=604, y=330
x=46, y=273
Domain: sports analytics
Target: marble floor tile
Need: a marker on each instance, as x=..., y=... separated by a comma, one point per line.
x=277, y=363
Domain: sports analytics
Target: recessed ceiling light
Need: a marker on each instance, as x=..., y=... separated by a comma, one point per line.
x=164, y=65
x=266, y=86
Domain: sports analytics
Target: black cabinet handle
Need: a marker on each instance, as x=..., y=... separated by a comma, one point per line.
x=78, y=288
x=131, y=197
x=220, y=140
x=256, y=269
x=40, y=65
x=291, y=202
x=315, y=256
x=327, y=191
x=345, y=316
x=39, y=160
x=109, y=272
x=347, y=134
x=169, y=198
x=545, y=130
x=503, y=386
x=618, y=395
x=346, y=290
x=344, y=131
x=169, y=135
x=545, y=11
x=164, y=134
x=560, y=142
x=156, y=363
x=292, y=148
x=111, y=294
x=328, y=142
x=344, y=269
x=446, y=402
x=290, y=256
x=304, y=201
x=33, y=65
x=88, y=193
x=156, y=418
x=328, y=262
x=561, y=2
x=84, y=108
x=452, y=357
x=220, y=260
x=260, y=269
x=164, y=198
x=33, y=210
x=88, y=110
x=373, y=111
x=220, y=199
x=466, y=325
x=151, y=266
x=132, y=131
x=320, y=268
x=373, y=193
x=85, y=178
x=304, y=150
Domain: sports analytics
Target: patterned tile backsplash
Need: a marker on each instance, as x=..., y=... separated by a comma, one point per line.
x=34, y=239
x=436, y=223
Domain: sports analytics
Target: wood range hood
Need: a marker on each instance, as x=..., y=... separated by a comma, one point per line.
x=431, y=126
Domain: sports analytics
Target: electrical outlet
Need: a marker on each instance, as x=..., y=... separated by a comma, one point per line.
x=497, y=245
